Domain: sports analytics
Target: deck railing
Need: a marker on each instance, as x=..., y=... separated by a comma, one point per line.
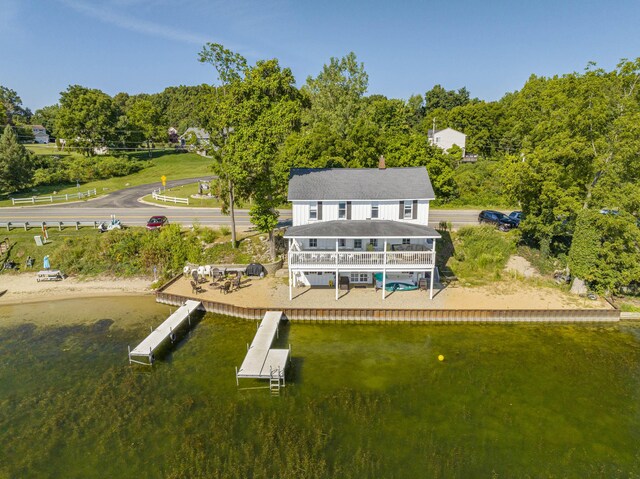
x=357, y=258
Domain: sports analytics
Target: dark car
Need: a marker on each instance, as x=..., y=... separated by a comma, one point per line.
x=156, y=222
x=502, y=221
x=516, y=216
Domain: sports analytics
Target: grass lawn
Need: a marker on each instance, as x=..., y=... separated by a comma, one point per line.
x=173, y=165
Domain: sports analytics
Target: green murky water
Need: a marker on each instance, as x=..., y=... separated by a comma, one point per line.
x=365, y=400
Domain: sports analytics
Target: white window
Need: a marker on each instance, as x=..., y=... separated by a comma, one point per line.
x=313, y=211
x=374, y=210
x=342, y=243
x=374, y=242
x=437, y=139
x=359, y=277
x=342, y=211
x=313, y=243
x=408, y=209
x=357, y=244
x=406, y=240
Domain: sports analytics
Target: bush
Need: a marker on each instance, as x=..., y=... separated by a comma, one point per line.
x=68, y=169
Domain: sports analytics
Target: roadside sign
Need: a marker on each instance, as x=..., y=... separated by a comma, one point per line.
x=164, y=180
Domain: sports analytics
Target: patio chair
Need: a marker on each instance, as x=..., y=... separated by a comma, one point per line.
x=236, y=282
x=226, y=287
x=195, y=287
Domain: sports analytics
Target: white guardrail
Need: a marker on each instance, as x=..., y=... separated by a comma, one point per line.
x=168, y=199
x=51, y=198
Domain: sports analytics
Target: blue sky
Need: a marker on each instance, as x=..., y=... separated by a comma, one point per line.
x=136, y=46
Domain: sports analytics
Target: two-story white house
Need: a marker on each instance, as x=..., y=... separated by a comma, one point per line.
x=40, y=134
x=446, y=138
x=361, y=226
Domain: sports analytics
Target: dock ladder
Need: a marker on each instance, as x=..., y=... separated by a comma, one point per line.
x=275, y=381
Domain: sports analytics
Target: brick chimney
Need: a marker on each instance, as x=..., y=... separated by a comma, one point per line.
x=381, y=165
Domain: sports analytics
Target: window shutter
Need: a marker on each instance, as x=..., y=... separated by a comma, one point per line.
x=414, y=210
x=348, y=210
x=319, y=210
x=401, y=214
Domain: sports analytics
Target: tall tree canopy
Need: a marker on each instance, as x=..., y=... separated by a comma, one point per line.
x=87, y=118
x=16, y=163
x=11, y=109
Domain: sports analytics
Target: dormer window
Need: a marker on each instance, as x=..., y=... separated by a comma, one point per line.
x=313, y=211
x=374, y=210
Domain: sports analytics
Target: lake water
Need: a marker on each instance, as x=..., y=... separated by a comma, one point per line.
x=363, y=400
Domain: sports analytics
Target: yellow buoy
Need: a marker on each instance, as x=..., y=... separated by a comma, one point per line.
x=440, y=357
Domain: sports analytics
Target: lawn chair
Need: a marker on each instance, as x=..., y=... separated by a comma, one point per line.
x=215, y=274
x=195, y=287
x=236, y=282
x=226, y=287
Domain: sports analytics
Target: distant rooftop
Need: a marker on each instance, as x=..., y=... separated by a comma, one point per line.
x=359, y=184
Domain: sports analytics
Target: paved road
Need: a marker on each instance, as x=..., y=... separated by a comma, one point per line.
x=128, y=197
x=138, y=215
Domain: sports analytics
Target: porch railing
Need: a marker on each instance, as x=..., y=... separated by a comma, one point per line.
x=355, y=258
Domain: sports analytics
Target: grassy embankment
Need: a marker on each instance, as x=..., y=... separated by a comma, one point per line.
x=133, y=251
x=168, y=163
x=475, y=254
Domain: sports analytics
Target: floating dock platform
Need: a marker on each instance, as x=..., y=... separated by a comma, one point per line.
x=163, y=332
x=261, y=361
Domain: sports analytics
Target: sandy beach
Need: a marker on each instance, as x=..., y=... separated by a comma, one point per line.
x=23, y=288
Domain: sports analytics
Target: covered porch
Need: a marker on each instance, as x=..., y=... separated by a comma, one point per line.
x=322, y=253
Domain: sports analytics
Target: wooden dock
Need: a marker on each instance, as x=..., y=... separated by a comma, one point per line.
x=163, y=332
x=261, y=361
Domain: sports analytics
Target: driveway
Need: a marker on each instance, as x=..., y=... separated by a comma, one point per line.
x=128, y=197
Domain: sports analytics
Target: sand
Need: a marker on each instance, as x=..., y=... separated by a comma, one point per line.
x=23, y=288
x=273, y=293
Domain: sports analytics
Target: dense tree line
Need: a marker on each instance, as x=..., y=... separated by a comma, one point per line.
x=564, y=149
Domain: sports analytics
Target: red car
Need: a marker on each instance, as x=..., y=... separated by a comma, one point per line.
x=156, y=222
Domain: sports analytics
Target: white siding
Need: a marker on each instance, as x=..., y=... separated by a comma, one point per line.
x=313, y=278
x=448, y=137
x=360, y=210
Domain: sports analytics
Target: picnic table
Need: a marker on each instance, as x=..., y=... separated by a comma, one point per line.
x=49, y=275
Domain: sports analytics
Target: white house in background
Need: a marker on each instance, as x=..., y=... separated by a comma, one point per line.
x=201, y=135
x=446, y=138
x=40, y=134
x=361, y=226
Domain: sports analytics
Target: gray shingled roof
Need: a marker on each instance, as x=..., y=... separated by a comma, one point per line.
x=361, y=229
x=359, y=184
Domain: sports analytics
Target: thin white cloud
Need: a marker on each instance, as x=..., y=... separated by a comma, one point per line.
x=135, y=24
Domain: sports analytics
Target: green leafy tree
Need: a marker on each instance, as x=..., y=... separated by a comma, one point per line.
x=219, y=120
x=16, y=163
x=336, y=94
x=145, y=118
x=266, y=108
x=46, y=117
x=87, y=119
x=439, y=97
x=11, y=109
